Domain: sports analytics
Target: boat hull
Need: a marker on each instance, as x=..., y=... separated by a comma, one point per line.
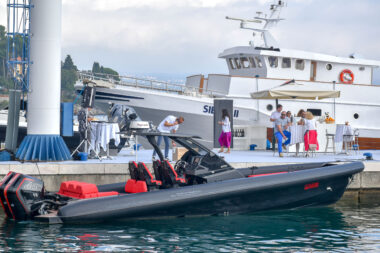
x=309, y=187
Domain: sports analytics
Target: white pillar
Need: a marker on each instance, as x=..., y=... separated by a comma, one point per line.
x=45, y=69
x=43, y=141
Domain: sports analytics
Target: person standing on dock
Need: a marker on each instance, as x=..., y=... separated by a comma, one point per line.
x=289, y=116
x=84, y=117
x=311, y=135
x=225, y=136
x=281, y=126
x=168, y=125
x=301, y=114
x=273, y=117
x=276, y=114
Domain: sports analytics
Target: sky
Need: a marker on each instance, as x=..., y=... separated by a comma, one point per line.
x=184, y=37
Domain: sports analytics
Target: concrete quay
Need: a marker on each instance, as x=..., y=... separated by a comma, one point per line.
x=364, y=185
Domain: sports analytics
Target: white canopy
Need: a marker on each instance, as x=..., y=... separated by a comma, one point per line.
x=293, y=90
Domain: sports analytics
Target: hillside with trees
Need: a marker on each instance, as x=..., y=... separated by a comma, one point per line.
x=5, y=80
x=69, y=72
x=104, y=72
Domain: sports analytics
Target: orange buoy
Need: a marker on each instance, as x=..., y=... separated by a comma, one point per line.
x=346, y=76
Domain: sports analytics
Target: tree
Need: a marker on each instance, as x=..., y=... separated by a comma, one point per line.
x=96, y=67
x=5, y=81
x=69, y=76
x=104, y=72
x=3, y=50
x=69, y=64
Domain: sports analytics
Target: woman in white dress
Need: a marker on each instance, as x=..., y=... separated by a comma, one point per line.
x=311, y=136
x=225, y=136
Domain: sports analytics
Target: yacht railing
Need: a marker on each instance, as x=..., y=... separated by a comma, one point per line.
x=148, y=84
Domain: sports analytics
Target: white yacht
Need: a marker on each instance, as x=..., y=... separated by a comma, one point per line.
x=260, y=65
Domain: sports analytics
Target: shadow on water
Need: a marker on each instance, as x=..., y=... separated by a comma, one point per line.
x=316, y=229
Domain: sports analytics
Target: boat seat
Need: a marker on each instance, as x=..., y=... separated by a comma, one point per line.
x=172, y=175
x=82, y=190
x=144, y=174
x=133, y=170
x=157, y=168
x=135, y=186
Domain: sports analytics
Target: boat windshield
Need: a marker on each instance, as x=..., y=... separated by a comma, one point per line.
x=191, y=145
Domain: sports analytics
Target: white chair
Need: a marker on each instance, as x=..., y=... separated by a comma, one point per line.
x=352, y=142
x=329, y=137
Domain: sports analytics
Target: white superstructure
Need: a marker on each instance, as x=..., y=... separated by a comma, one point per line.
x=260, y=65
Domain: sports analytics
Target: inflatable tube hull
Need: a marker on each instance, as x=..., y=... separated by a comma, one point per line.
x=311, y=187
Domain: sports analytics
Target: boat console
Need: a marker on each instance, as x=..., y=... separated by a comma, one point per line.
x=199, y=163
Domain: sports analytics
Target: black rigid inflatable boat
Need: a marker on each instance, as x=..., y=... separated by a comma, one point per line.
x=201, y=183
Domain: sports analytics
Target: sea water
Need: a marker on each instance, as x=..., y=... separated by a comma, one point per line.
x=333, y=229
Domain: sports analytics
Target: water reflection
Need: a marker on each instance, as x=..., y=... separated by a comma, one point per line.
x=308, y=229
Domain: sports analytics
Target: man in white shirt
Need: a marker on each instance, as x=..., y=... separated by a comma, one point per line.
x=276, y=115
x=168, y=125
x=281, y=132
x=273, y=117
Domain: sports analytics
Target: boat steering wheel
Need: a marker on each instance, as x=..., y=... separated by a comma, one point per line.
x=180, y=166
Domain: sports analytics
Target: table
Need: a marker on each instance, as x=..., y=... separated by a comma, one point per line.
x=344, y=133
x=297, y=133
x=102, y=133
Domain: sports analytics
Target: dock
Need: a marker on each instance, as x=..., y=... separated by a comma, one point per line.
x=364, y=187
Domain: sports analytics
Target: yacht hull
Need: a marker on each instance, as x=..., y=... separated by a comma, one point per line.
x=198, y=110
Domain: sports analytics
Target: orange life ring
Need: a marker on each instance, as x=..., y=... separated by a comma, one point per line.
x=346, y=76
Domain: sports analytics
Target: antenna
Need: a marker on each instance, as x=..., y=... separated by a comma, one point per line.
x=268, y=22
x=244, y=20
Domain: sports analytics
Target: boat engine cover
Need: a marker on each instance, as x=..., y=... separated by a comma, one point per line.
x=21, y=194
x=4, y=182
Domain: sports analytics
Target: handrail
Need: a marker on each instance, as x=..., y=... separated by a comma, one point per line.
x=297, y=80
x=147, y=84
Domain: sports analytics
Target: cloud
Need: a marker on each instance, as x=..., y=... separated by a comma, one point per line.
x=115, y=5
x=185, y=36
x=3, y=13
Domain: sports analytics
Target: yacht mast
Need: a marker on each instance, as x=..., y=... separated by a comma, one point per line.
x=268, y=22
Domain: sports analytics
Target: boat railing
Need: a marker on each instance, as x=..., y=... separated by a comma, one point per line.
x=146, y=83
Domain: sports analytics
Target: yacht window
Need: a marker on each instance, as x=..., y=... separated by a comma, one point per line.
x=252, y=62
x=259, y=62
x=300, y=64
x=328, y=66
x=237, y=62
x=244, y=62
x=286, y=63
x=232, y=64
x=273, y=61
x=362, y=68
x=315, y=112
